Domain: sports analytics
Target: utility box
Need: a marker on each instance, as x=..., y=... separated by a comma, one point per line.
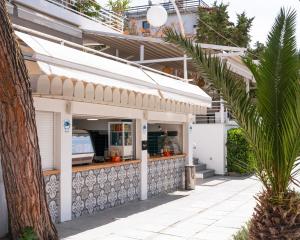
x=190, y=177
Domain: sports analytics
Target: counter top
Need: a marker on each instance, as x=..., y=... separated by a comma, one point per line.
x=51, y=172
x=167, y=158
x=102, y=165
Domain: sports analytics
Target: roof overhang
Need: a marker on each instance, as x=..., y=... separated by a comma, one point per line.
x=70, y=73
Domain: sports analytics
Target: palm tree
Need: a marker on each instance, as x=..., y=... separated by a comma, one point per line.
x=271, y=123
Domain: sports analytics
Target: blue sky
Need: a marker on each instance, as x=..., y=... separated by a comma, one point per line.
x=264, y=12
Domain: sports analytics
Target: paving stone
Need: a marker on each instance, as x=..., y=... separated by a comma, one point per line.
x=211, y=212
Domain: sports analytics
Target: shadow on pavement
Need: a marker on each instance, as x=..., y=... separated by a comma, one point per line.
x=107, y=216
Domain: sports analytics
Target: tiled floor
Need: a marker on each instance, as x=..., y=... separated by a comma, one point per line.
x=215, y=210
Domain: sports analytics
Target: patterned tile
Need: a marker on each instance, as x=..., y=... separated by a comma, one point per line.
x=165, y=176
x=53, y=195
x=96, y=190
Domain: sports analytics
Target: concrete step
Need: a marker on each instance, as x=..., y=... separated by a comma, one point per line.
x=200, y=167
x=205, y=173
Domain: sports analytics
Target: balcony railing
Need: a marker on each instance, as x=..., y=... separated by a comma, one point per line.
x=216, y=114
x=104, y=16
x=183, y=5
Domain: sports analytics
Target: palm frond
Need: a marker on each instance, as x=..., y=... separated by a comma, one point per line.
x=272, y=123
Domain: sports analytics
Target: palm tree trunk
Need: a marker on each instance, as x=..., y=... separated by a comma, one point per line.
x=19, y=149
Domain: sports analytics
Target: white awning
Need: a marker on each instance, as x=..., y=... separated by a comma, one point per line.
x=61, y=61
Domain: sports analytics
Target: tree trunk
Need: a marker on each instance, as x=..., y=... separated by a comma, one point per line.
x=19, y=149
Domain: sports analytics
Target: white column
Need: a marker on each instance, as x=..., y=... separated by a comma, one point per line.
x=142, y=135
x=63, y=162
x=142, y=53
x=222, y=112
x=187, y=140
x=117, y=52
x=185, y=68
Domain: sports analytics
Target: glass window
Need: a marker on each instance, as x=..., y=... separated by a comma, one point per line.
x=146, y=25
x=82, y=144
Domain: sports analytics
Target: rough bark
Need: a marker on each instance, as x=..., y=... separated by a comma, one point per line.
x=276, y=219
x=19, y=149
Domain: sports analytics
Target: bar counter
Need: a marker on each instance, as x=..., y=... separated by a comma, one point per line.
x=94, y=166
x=98, y=186
x=165, y=174
x=174, y=157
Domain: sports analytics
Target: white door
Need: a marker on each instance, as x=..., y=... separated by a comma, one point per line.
x=45, y=130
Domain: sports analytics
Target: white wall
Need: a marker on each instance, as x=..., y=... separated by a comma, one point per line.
x=210, y=145
x=189, y=20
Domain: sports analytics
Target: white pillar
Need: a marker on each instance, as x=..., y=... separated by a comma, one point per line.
x=142, y=135
x=63, y=162
x=117, y=52
x=222, y=112
x=187, y=140
x=185, y=69
x=142, y=53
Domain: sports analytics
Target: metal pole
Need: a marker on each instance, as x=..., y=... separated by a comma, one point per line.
x=179, y=18
x=181, y=27
x=142, y=53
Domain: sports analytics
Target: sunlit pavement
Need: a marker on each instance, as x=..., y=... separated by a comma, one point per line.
x=215, y=210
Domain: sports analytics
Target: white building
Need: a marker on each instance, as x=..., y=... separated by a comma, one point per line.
x=74, y=87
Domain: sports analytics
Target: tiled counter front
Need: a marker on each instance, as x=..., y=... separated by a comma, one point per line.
x=104, y=187
x=165, y=175
x=53, y=193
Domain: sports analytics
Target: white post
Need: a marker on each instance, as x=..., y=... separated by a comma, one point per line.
x=185, y=68
x=142, y=135
x=187, y=140
x=142, y=53
x=222, y=117
x=63, y=162
x=117, y=52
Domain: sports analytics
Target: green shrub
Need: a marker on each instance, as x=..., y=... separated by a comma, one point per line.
x=242, y=234
x=88, y=7
x=28, y=234
x=239, y=153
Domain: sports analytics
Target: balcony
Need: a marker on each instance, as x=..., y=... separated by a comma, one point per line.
x=68, y=12
x=217, y=113
x=103, y=16
x=183, y=5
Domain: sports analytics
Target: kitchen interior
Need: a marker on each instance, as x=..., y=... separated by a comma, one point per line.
x=102, y=141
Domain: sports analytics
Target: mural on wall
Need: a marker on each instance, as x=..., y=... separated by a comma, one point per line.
x=165, y=176
x=53, y=195
x=96, y=190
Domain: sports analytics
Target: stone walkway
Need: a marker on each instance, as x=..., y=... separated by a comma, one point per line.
x=215, y=210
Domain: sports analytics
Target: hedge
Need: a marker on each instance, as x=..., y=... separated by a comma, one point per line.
x=239, y=154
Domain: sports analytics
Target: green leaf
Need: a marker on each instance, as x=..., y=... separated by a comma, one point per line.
x=271, y=123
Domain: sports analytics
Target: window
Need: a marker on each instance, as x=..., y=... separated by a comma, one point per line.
x=146, y=25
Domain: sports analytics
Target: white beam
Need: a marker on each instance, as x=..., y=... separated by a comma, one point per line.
x=161, y=60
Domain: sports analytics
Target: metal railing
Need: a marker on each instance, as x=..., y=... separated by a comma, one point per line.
x=216, y=114
x=183, y=5
x=104, y=16
x=91, y=50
